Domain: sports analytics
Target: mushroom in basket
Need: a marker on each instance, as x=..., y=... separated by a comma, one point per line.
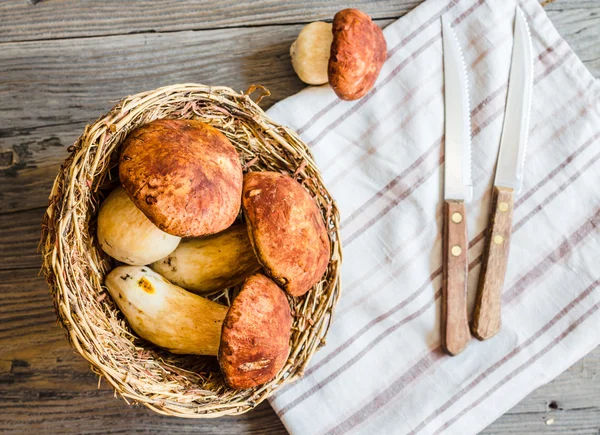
x=204, y=265
x=126, y=234
x=184, y=175
x=286, y=230
x=251, y=338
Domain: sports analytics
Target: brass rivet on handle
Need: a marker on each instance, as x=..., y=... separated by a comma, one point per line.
x=456, y=251
x=498, y=239
x=503, y=206
x=456, y=217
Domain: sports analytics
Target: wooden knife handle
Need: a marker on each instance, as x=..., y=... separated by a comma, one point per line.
x=455, y=323
x=486, y=316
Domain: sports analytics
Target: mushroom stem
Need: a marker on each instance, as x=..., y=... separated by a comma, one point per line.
x=310, y=53
x=165, y=314
x=207, y=264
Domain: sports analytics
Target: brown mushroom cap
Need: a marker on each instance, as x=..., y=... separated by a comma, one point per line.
x=358, y=52
x=255, y=339
x=184, y=175
x=286, y=230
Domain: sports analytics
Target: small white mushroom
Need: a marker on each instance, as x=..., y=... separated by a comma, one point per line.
x=310, y=53
x=126, y=234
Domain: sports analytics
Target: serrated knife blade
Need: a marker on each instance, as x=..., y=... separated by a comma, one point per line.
x=487, y=318
x=457, y=149
x=515, y=131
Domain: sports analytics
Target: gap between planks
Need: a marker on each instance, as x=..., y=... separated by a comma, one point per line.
x=379, y=20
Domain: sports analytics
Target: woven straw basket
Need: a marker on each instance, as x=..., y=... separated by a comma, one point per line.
x=75, y=266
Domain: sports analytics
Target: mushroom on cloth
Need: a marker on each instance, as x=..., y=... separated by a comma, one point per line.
x=358, y=52
x=349, y=53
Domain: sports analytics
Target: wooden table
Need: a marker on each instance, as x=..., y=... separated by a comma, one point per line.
x=62, y=64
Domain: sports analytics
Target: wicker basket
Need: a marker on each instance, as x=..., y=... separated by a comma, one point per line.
x=74, y=265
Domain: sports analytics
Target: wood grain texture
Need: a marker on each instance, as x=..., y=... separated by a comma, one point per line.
x=571, y=403
x=49, y=90
x=578, y=23
x=20, y=234
x=487, y=317
x=54, y=19
x=455, y=324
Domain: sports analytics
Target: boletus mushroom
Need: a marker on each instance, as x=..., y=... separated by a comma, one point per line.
x=358, y=52
x=251, y=338
x=207, y=264
x=185, y=175
x=125, y=233
x=286, y=230
x=349, y=53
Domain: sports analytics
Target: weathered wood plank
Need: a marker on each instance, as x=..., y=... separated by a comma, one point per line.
x=575, y=422
x=25, y=20
x=32, y=159
x=20, y=233
x=53, y=19
x=568, y=405
x=580, y=27
x=76, y=80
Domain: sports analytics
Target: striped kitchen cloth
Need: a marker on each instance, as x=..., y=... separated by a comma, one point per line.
x=382, y=370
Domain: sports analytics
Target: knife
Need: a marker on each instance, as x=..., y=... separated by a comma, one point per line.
x=508, y=182
x=457, y=191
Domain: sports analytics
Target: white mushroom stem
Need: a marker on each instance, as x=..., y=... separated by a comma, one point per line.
x=207, y=264
x=310, y=53
x=125, y=233
x=165, y=314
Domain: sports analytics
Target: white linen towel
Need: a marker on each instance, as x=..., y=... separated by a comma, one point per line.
x=382, y=370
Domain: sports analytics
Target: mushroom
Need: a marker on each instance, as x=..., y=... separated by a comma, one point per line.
x=255, y=340
x=286, y=230
x=126, y=234
x=310, y=52
x=184, y=175
x=207, y=264
x=356, y=51
x=251, y=338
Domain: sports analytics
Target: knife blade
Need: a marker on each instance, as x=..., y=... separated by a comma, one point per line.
x=508, y=181
x=457, y=191
x=457, y=148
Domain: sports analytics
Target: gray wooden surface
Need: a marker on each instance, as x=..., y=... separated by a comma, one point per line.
x=62, y=64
